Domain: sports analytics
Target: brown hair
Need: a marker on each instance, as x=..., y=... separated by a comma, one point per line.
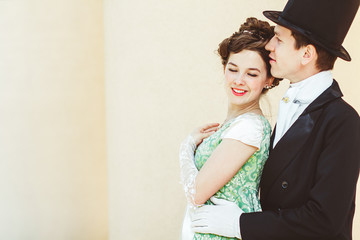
x=325, y=60
x=253, y=35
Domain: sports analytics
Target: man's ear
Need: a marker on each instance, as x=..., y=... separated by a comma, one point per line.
x=309, y=54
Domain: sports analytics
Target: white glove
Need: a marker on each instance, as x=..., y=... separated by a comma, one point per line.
x=188, y=170
x=222, y=219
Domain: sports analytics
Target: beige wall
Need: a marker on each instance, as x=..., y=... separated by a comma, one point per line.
x=162, y=80
x=53, y=180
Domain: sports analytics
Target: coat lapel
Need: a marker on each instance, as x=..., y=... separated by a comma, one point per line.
x=294, y=139
x=272, y=139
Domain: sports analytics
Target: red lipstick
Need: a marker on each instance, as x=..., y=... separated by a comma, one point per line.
x=238, y=92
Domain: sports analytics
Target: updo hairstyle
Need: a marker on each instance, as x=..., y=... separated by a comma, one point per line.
x=253, y=35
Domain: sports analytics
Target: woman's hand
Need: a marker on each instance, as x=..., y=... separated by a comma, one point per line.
x=200, y=133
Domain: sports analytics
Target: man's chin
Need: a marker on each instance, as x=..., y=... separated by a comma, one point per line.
x=276, y=73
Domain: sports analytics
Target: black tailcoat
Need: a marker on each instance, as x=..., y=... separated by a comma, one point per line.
x=307, y=190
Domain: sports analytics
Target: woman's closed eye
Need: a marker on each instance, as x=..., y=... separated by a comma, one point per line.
x=232, y=70
x=252, y=75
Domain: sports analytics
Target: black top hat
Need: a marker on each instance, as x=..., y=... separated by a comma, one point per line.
x=323, y=22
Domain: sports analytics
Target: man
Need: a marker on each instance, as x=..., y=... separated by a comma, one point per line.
x=307, y=189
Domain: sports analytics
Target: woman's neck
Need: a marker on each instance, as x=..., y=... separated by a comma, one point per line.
x=234, y=111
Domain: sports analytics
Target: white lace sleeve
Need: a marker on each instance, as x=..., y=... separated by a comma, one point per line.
x=188, y=170
x=247, y=128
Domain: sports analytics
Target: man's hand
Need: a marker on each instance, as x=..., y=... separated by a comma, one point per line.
x=220, y=219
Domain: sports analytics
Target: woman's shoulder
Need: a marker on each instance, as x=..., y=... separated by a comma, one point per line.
x=249, y=128
x=252, y=119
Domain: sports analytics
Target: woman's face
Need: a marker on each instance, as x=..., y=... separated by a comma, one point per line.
x=245, y=78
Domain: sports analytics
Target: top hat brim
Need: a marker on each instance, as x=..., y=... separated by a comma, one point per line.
x=275, y=16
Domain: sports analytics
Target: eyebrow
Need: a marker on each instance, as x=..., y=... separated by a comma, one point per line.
x=256, y=69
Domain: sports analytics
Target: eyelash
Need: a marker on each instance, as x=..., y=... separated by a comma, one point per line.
x=250, y=74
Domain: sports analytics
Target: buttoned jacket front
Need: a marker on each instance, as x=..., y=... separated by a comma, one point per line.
x=307, y=189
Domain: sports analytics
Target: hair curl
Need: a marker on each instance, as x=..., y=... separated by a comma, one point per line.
x=253, y=35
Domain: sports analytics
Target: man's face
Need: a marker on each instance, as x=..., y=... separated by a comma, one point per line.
x=285, y=60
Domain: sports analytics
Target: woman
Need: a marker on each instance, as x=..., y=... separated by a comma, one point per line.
x=230, y=157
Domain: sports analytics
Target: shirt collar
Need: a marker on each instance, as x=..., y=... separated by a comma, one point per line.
x=310, y=88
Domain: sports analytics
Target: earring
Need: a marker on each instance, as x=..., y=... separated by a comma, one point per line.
x=267, y=87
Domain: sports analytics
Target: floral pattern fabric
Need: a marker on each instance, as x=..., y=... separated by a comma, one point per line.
x=243, y=187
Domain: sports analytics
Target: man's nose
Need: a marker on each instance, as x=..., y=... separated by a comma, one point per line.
x=270, y=45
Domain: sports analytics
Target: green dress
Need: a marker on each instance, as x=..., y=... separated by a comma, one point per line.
x=243, y=187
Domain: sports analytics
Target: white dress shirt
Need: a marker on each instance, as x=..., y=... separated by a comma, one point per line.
x=297, y=98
